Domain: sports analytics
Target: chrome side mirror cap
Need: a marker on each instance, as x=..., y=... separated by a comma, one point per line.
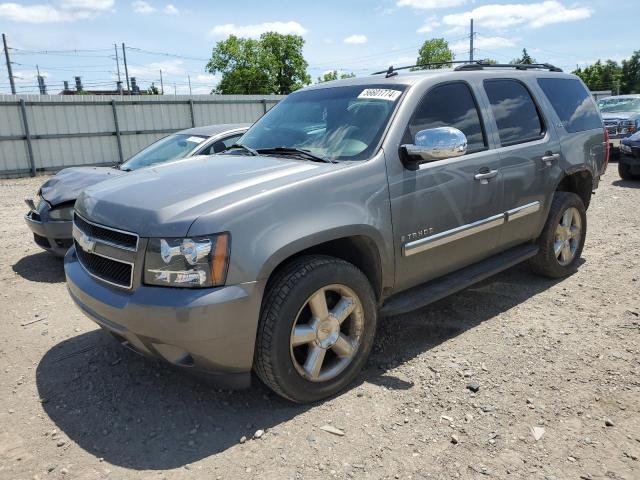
x=434, y=144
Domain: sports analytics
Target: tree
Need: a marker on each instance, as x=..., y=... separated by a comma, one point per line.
x=489, y=61
x=435, y=51
x=153, y=90
x=334, y=75
x=601, y=76
x=272, y=64
x=631, y=74
x=284, y=61
x=526, y=59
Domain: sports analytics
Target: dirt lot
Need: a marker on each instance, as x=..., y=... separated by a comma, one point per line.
x=563, y=357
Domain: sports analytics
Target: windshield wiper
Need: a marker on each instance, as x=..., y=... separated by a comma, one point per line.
x=250, y=150
x=295, y=151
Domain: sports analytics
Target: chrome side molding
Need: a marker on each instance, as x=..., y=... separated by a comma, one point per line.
x=463, y=231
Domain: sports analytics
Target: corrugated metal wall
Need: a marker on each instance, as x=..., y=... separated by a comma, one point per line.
x=63, y=131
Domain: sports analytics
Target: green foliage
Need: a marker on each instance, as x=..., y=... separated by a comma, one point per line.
x=489, y=61
x=272, y=64
x=601, y=76
x=526, y=59
x=153, y=90
x=435, y=50
x=334, y=75
x=631, y=74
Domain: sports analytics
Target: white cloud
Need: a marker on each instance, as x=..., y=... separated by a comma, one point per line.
x=169, y=9
x=96, y=5
x=481, y=42
x=142, y=7
x=69, y=11
x=356, y=39
x=258, y=29
x=428, y=4
x=430, y=24
x=534, y=15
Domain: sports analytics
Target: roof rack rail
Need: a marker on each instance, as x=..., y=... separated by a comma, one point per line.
x=391, y=71
x=517, y=66
x=470, y=65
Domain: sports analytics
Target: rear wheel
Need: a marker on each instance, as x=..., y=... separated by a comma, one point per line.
x=624, y=170
x=316, y=328
x=562, y=238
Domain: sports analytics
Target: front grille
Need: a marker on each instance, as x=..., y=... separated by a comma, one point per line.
x=106, y=269
x=40, y=240
x=117, y=238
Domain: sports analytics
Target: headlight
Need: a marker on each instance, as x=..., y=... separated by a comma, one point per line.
x=187, y=262
x=61, y=214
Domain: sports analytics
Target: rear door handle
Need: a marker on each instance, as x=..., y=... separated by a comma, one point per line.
x=550, y=157
x=484, y=177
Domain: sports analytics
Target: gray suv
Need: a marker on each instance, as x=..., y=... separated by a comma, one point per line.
x=347, y=201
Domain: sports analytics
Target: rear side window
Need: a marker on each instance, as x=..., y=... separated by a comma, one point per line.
x=515, y=111
x=449, y=105
x=572, y=103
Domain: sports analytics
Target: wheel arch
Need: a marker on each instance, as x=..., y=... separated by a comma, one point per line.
x=578, y=181
x=361, y=246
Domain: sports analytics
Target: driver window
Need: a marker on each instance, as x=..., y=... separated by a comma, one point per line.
x=449, y=105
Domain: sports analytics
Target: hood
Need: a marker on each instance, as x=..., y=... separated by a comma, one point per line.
x=165, y=200
x=619, y=115
x=67, y=184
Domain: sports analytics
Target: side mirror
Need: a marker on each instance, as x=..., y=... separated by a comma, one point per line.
x=434, y=144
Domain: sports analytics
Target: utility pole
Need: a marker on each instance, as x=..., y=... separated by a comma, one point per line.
x=41, y=85
x=189, y=79
x=126, y=69
x=175, y=90
x=115, y=47
x=6, y=56
x=471, y=43
x=161, y=84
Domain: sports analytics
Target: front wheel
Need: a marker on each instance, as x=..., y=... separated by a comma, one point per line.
x=624, y=170
x=316, y=329
x=562, y=238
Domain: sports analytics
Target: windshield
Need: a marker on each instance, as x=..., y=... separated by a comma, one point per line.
x=620, y=105
x=339, y=123
x=168, y=148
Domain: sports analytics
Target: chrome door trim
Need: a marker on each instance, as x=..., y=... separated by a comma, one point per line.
x=447, y=236
x=522, y=211
x=463, y=231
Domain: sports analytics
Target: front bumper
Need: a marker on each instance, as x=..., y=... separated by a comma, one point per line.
x=53, y=236
x=631, y=158
x=204, y=330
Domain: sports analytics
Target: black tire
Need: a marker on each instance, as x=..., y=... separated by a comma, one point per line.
x=284, y=298
x=624, y=170
x=546, y=263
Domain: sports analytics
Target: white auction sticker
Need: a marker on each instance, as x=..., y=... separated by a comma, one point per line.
x=195, y=139
x=380, y=94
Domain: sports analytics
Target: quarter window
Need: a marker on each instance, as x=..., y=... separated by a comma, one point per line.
x=514, y=110
x=449, y=105
x=572, y=103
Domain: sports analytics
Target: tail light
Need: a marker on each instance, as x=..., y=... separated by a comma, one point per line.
x=607, y=150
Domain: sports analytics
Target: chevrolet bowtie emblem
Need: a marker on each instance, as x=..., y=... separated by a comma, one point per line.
x=87, y=243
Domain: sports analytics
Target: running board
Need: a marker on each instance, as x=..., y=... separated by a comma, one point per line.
x=439, y=288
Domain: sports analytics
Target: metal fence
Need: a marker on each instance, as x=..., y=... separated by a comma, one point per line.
x=44, y=133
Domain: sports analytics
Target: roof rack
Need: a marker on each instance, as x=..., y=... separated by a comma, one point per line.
x=464, y=65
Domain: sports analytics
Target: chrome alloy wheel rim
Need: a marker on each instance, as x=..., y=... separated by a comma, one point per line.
x=568, y=235
x=327, y=332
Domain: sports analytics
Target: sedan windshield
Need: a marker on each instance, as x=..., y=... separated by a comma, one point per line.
x=173, y=147
x=620, y=105
x=333, y=123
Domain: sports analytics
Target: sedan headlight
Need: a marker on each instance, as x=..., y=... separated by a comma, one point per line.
x=61, y=214
x=187, y=262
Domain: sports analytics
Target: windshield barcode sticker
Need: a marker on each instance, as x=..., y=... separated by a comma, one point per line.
x=380, y=94
x=195, y=139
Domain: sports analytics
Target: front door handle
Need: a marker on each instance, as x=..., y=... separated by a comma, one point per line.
x=484, y=176
x=550, y=157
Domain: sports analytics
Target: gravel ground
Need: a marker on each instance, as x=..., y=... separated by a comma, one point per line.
x=557, y=364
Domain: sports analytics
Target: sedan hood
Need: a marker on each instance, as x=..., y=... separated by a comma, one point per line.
x=619, y=115
x=67, y=184
x=167, y=199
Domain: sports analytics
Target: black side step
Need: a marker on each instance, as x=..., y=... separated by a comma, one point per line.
x=439, y=288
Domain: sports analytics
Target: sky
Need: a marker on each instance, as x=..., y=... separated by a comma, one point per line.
x=65, y=38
